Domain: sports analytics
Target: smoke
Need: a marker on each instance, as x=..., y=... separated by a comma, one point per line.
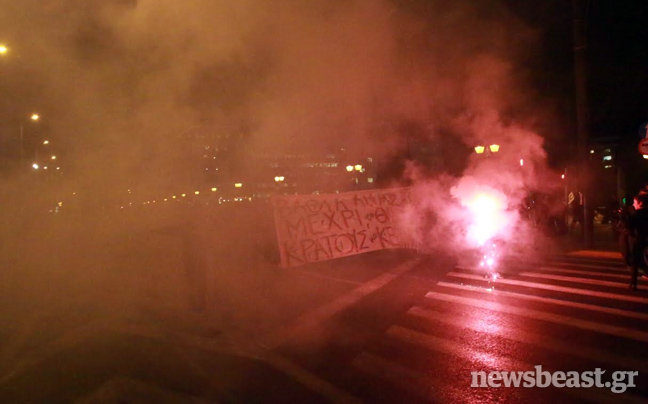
x=119, y=84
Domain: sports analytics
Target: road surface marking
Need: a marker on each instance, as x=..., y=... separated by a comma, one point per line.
x=595, y=254
x=616, y=331
x=460, y=350
x=317, y=275
x=313, y=318
x=616, y=268
x=625, y=274
x=313, y=382
x=572, y=279
x=559, y=302
x=539, y=340
x=565, y=289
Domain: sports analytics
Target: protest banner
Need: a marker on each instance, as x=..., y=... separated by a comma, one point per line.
x=312, y=228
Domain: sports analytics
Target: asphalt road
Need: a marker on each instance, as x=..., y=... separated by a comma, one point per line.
x=389, y=328
x=419, y=338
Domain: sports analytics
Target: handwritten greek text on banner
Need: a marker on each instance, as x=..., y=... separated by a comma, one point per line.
x=313, y=228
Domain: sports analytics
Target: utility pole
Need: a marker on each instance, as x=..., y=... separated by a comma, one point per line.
x=582, y=116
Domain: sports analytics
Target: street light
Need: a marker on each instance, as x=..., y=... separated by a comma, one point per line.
x=494, y=148
x=3, y=49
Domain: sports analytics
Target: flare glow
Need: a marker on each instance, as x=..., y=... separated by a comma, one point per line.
x=487, y=217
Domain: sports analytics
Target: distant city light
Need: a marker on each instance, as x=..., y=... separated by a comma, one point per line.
x=494, y=148
x=3, y=49
x=35, y=117
x=35, y=166
x=591, y=151
x=45, y=168
x=183, y=195
x=45, y=141
x=197, y=192
x=521, y=162
x=53, y=157
x=607, y=158
x=238, y=185
x=479, y=149
x=349, y=168
x=645, y=156
x=562, y=176
x=279, y=178
x=358, y=167
x=214, y=189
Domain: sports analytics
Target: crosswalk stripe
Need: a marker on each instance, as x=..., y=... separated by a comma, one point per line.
x=622, y=332
x=558, y=302
x=532, y=339
x=572, y=279
x=615, y=268
x=445, y=346
x=496, y=362
x=555, y=288
x=624, y=276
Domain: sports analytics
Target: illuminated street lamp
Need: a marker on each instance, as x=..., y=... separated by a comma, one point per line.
x=3, y=49
x=238, y=185
x=349, y=168
x=35, y=166
x=279, y=179
x=494, y=148
x=45, y=142
x=34, y=117
x=358, y=167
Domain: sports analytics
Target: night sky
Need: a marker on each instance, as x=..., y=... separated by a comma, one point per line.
x=617, y=60
x=104, y=72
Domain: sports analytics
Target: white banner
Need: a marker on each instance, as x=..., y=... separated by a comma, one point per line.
x=313, y=228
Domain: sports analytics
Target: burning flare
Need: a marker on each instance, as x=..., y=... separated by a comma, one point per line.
x=487, y=217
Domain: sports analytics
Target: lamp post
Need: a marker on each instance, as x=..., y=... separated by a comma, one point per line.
x=582, y=115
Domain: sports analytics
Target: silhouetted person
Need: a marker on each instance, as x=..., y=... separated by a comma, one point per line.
x=577, y=211
x=624, y=233
x=638, y=228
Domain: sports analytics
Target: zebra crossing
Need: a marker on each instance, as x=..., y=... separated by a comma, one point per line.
x=564, y=313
